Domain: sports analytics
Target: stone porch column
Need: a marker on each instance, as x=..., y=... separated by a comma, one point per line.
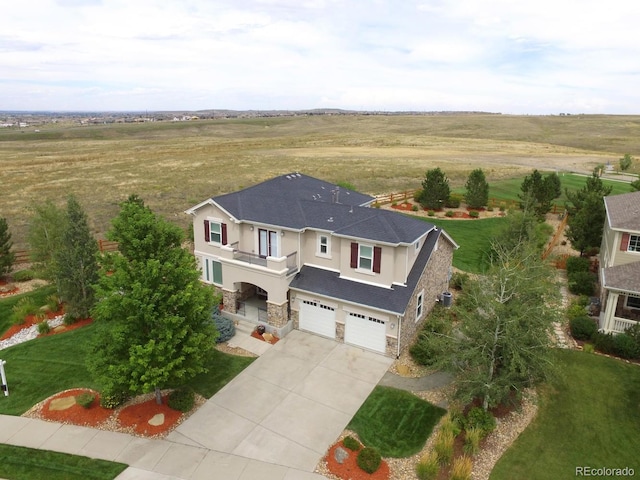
x=277, y=315
x=229, y=300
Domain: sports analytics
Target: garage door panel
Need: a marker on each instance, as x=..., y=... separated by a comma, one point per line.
x=366, y=332
x=318, y=318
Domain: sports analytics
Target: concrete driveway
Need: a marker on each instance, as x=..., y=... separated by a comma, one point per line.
x=289, y=405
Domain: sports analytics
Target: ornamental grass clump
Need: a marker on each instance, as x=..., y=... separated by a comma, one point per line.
x=472, y=437
x=443, y=447
x=428, y=467
x=461, y=468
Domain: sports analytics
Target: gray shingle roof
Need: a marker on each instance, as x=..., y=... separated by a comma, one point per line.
x=623, y=277
x=623, y=211
x=301, y=201
x=394, y=299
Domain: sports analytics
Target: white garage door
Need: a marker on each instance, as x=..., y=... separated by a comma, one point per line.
x=366, y=332
x=318, y=318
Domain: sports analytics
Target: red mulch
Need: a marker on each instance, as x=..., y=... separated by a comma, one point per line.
x=255, y=334
x=76, y=414
x=31, y=320
x=137, y=417
x=403, y=206
x=66, y=328
x=349, y=470
x=4, y=292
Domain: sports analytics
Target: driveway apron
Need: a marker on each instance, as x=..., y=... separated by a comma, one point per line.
x=289, y=405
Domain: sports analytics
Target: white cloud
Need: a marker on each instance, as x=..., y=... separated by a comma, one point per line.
x=495, y=55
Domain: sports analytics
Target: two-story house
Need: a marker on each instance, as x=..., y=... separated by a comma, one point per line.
x=620, y=263
x=298, y=252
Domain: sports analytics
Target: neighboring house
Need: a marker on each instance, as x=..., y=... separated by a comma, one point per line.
x=298, y=252
x=620, y=263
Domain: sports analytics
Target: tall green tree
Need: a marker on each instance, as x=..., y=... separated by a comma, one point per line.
x=539, y=192
x=7, y=257
x=477, y=194
x=502, y=343
x=435, y=189
x=76, y=265
x=587, y=214
x=46, y=227
x=153, y=314
x=635, y=185
x=625, y=162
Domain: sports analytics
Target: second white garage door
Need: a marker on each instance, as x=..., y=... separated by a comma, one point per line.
x=366, y=332
x=318, y=318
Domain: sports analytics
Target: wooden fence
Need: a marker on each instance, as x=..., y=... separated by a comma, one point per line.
x=24, y=256
x=556, y=237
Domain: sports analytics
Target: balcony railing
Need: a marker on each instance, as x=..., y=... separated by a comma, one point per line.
x=621, y=324
x=288, y=262
x=251, y=258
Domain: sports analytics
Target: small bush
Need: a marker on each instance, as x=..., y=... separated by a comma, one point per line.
x=454, y=201
x=43, y=328
x=53, y=302
x=394, y=204
x=112, y=399
x=575, y=310
x=472, y=438
x=449, y=213
x=443, y=446
x=182, y=399
x=480, y=419
x=588, y=348
x=23, y=275
x=414, y=208
x=582, y=328
x=451, y=425
x=490, y=209
x=577, y=264
x=603, y=342
x=351, y=443
x=21, y=309
x=459, y=280
x=582, y=283
x=369, y=459
x=431, y=213
x=225, y=328
x=624, y=346
x=69, y=319
x=502, y=208
x=461, y=468
x=427, y=468
x=85, y=399
x=474, y=214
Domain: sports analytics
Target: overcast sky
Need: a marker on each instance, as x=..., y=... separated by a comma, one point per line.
x=510, y=56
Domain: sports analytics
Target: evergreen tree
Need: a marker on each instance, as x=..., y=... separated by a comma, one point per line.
x=435, y=189
x=477, y=195
x=45, y=238
x=76, y=263
x=7, y=257
x=153, y=315
x=538, y=192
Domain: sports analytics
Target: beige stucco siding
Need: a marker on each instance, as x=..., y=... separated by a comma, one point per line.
x=611, y=253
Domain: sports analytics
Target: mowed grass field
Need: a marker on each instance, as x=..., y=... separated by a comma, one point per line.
x=176, y=165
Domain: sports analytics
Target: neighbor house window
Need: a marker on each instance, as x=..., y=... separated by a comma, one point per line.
x=212, y=271
x=365, y=257
x=634, y=243
x=633, y=302
x=324, y=245
x=419, y=306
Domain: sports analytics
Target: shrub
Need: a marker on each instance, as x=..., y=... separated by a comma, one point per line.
x=472, y=438
x=575, y=310
x=69, y=319
x=449, y=213
x=427, y=468
x=459, y=280
x=431, y=213
x=603, y=342
x=417, y=197
x=624, y=346
x=634, y=333
x=582, y=328
x=582, y=283
x=588, y=348
x=414, y=208
x=502, y=208
x=424, y=351
x=489, y=208
x=225, y=328
x=480, y=419
x=461, y=468
x=23, y=275
x=112, y=398
x=53, y=302
x=182, y=399
x=450, y=424
x=453, y=201
x=369, y=459
x=474, y=214
x=85, y=399
x=22, y=308
x=43, y=328
x=394, y=204
x=351, y=443
x=577, y=264
x=443, y=446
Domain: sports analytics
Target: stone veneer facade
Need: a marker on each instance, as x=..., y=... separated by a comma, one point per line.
x=277, y=315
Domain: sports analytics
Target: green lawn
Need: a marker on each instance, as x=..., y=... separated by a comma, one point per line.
x=395, y=422
x=590, y=416
x=20, y=463
x=39, y=297
x=474, y=238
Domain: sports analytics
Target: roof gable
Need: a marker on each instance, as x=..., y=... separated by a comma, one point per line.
x=623, y=211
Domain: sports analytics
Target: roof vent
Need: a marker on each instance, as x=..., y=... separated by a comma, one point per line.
x=298, y=175
x=330, y=220
x=289, y=177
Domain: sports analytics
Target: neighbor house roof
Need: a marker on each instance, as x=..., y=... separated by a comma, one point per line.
x=622, y=277
x=623, y=211
x=393, y=300
x=297, y=201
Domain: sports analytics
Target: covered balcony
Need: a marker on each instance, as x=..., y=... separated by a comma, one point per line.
x=286, y=264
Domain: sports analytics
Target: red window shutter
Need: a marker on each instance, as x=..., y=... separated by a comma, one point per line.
x=354, y=255
x=377, y=254
x=624, y=244
x=207, y=230
x=224, y=234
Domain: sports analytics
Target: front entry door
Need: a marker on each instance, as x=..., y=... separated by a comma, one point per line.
x=268, y=243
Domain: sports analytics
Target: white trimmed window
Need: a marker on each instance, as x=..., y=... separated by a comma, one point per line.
x=215, y=235
x=212, y=271
x=634, y=244
x=324, y=246
x=633, y=302
x=419, y=305
x=365, y=257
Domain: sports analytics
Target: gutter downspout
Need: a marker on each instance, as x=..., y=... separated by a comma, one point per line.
x=399, y=331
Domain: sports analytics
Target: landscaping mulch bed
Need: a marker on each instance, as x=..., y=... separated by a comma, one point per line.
x=76, y=414
x=31, y=320
x=349, y=469
x=272, y=341
x=137, y=417
x=7, y=289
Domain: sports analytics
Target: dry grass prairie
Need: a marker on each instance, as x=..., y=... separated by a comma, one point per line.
x=175, y=165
